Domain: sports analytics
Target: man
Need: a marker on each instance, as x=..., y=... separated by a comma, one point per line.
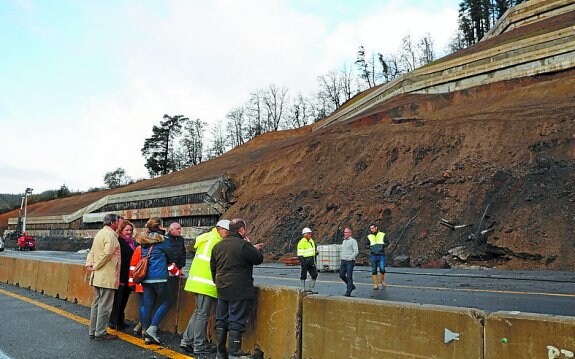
x=176, y=240
x=103, y=263
x=306, y=252
x=349, y=252
x=232, y=264
x=377, y=243
x=200, y=282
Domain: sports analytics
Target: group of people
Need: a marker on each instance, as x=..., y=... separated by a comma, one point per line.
x=375, y=242
x=115, y=252
x=221, y=276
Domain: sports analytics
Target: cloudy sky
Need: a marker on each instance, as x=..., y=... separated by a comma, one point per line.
x=83, y=82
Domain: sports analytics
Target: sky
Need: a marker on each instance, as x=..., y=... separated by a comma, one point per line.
x=82, y=83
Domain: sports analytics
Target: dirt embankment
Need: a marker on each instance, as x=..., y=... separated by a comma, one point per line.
x=498, y=159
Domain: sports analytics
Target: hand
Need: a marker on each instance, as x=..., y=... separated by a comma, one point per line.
x=90, y=267
x=259, y=246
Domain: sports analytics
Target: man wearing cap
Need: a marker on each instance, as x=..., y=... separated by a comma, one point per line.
x=306, y=253
x=200, y=282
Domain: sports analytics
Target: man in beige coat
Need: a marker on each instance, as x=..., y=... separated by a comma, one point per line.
x=104, y=264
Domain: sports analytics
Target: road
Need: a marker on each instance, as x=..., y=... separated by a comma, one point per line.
x=542, y=292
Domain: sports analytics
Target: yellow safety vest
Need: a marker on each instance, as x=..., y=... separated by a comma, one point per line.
x=306, y=248
x=377, y=238
x=200, y=279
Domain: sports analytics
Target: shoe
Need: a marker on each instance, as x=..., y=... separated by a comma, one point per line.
x=147, y=341
x=138, y=329
x=106, y=336
x=206, y=349
x=347, y=294
x=153, y=340
x=189, y=349
x=92, y=336
x=113, y=326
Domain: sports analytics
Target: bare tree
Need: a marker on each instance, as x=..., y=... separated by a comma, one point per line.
x=300, y=112
x=274, y=100
x=218, y=145
x=426, y=52
x=408, y=55
x=254, y=115
x=193, y=142
x=346, y=75
x=364, y=67
x=236, y=122
x=331, y=86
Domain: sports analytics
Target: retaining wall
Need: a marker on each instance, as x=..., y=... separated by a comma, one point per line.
x=287, y=323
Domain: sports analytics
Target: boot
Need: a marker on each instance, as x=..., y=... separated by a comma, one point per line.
x=382, y=276
x=221, y=338
x=375, y=284
x=152, y=334
x=312, y=286
x=235, y=346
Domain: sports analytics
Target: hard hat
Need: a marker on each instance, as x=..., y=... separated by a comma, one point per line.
x=305, y=230
x=223, y=223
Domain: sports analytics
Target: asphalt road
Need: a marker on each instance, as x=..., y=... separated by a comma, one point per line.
x=543, y=292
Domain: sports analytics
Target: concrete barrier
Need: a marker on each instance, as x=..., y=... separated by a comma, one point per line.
x=275, y=325
x=526, y=335
x=79, y=289
x=7, y=266
x=338, y=327
x=26, y=273
x=53, y=279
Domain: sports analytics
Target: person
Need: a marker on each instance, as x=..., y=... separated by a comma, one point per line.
x=178, y=245
x=231, y=264
x=127, y=246
x=103, y=263
x=137, y=288
x=376, y=242
x=155, y=284
x=306, y=252
x=200, y=282
x=349, y=252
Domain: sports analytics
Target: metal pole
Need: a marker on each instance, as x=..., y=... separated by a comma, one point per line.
x=28, y=191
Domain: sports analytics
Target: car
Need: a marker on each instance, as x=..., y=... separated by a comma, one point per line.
x=1, y=244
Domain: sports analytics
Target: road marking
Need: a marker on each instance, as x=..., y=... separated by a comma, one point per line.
x=123, y=336
x=438, y=288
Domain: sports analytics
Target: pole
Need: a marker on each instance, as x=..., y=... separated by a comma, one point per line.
x=28, y=191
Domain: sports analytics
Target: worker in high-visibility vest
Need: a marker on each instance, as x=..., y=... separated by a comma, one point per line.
x=376, y=242
x=200, y=282
x=306, y=252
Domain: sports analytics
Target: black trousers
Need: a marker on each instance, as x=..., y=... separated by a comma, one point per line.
x=120, y=301
x=308, y=267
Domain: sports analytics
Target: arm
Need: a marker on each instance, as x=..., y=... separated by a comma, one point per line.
x=355, y=250
x=252, y=254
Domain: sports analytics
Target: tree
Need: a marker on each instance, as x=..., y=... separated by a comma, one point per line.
x=236, y=121
x=117, y=178
x=425, y=49
x=193, y=142
x=364, y=67
x=274, y=100
x=159, y=149
x=218, y=146
x=407, y=54
x=62, y=192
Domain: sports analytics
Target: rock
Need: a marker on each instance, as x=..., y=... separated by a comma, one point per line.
x=401, y=261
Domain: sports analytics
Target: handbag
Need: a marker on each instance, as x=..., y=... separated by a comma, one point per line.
x=141, y=269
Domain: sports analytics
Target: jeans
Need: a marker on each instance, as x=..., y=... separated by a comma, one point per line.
x=195, y=332
x=233, y=314
x=154, y=292
x=346, y=273
x=377, y=260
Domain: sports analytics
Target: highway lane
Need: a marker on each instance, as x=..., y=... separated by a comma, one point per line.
x=491, y=290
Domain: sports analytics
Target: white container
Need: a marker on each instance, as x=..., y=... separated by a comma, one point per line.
x=329, y=257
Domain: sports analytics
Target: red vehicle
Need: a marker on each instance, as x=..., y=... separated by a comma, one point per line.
x=26, y=242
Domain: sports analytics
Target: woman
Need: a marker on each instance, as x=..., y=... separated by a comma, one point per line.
x=137, y=287
x=127, y=246
x=156, y=282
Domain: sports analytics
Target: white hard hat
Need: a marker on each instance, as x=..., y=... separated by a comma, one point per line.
x=223, y=223
x=305, y=230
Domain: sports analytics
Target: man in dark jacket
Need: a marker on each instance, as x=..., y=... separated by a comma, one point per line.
x=178, y=246
x=232, y=265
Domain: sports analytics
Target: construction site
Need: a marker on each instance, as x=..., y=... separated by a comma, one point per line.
x=466, y=162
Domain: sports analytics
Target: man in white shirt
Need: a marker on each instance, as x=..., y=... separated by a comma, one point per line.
x=349, y=252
